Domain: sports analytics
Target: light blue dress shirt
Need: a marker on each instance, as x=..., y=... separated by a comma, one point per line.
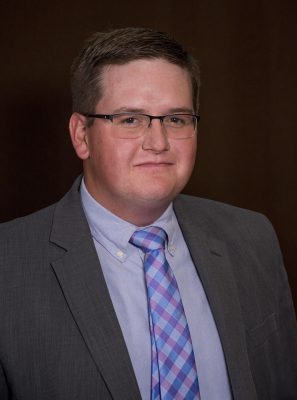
x=122, y=265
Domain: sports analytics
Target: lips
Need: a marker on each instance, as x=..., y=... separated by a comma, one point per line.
x=154, y=164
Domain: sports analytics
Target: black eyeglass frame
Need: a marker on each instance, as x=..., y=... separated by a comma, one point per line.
x=151, y=117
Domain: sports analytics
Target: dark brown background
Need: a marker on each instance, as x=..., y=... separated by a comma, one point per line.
x=247, y=136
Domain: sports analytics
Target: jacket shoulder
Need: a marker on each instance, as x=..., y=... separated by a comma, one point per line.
x=226, y=222
x=29, y=224
x=39, y=224
x=211, y=211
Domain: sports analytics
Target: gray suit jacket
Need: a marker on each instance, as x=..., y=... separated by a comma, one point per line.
x=59, y=334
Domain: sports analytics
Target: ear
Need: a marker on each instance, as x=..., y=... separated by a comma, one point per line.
x=78, y=133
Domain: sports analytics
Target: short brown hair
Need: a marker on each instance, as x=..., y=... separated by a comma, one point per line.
x=121, y=46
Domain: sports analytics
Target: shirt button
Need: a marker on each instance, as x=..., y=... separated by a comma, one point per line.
x=172, y=249
x=120, y=253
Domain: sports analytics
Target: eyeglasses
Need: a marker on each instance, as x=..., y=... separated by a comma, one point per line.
x=132, y=125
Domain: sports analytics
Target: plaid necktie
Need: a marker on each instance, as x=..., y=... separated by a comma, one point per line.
x=174, y=374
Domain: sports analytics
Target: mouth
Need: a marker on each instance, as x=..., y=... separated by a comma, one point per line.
x=154, y=165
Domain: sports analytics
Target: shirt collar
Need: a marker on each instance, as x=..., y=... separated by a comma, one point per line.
x=113, y=233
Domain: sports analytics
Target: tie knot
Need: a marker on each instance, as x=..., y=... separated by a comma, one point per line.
x=150, y=238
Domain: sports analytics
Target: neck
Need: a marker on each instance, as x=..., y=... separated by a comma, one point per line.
x=138, y=215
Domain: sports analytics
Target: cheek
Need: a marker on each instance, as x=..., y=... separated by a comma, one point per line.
x=114, y=156
x=186, y=154
x=99, y=155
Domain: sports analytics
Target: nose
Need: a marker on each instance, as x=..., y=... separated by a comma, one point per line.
x=155, y=138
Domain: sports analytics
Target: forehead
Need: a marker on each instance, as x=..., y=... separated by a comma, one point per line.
x=147, y=82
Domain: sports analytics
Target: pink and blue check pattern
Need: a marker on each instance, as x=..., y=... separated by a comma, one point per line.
x=174, y=374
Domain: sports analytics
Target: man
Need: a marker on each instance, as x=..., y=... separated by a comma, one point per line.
x=80, y=309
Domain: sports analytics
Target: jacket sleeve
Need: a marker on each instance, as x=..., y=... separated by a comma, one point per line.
x=288, y=337
x=280, y=349
x=4, y=395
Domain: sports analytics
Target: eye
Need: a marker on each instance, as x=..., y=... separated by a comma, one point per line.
x=176, y=120
x=128, y=120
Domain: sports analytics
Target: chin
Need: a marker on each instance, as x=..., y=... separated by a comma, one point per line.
x=158, y=197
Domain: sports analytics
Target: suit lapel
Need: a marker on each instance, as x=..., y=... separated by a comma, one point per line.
x=214, y=268
x=81, y=279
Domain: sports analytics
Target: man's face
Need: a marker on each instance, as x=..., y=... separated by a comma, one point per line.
x=138, y=178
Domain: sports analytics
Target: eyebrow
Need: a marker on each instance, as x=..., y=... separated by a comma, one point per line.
x=185, y=110
x=176, y=110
